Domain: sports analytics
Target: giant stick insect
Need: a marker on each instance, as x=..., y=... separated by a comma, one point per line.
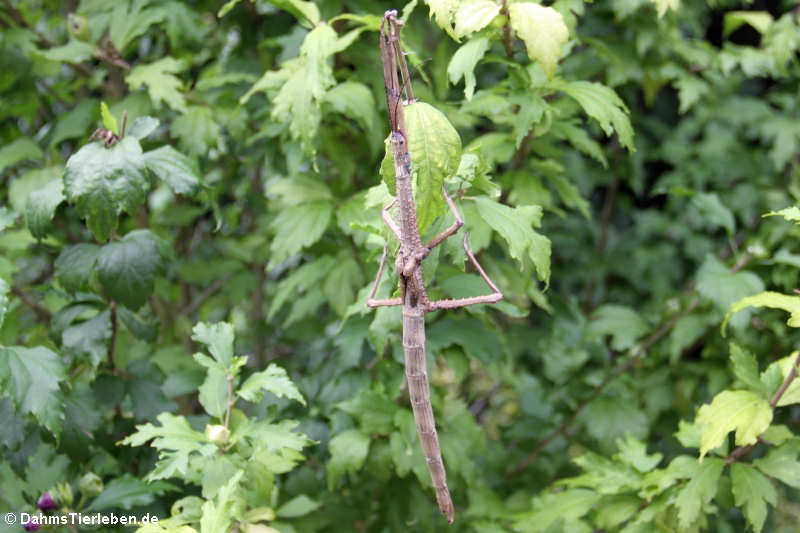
x=409, y=258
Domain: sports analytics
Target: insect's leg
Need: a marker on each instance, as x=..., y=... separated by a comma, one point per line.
x=492, y=298
x=381, y=302
x=387, y=218
x=436, y=241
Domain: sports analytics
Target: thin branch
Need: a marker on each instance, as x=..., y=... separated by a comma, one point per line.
x=508, y=36
x=205, y=295
x=229, y=406
x=41, y=313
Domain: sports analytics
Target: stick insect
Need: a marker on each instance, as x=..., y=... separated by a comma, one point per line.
x=408, y=263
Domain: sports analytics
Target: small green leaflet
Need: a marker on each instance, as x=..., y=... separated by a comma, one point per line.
x=745, y=368
x=74, y=51
x=41, y=207
x=743, y=411
x=4, y=290
x=31, y=377
x=162, y=84
x=19, y=150
x=781, y=463
x=104, y=182
x=752, y=491
x=603, y=105
x=275, y=380
x=75, y=264
x=665, y=5
x=699, y=491
x=219, y=339
x=197, y=130
x=348, y=452
x=175, y=440
x=218, y=514
x=619, y=321
x=442, y=12
x=791, y=214
x=298, y=227
x=463, y=63
x=773, y=300
x=516, y=225
x=175, y=169
x=141, y=127
x=109, y=121
x=549, y=508
x=543, y=31
x=297, y=506
x=760, y=20
x=474, y=15
x=126, y=25
x=127, y=268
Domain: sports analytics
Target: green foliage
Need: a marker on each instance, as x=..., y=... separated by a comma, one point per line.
x=183, y=328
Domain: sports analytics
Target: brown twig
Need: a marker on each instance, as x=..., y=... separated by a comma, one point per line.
x=508, y=36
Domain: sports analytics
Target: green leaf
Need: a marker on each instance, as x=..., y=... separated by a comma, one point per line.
x=298, y=227
x=549, y=508
x=104, y=182
x=665, y=5
x=219, y=339
x=109, y=121
x=31, y=377
x=603, y=105
x=7, y=218
x=297, y=506
x=128, y=24
x=127, y=268
x=515, y=226
x=307, y=13
x=348, y=452
x=442, y=12
x=463, y=62
x=634, y=452
x=622, y=323
x=75, y=265
x=41, y=207
x=716, y=282
x=75, y=123
x=603, y=475
x=374, y=411
x=19, y=150
x=4, y=290
x=162, y=84
x=218, y=514
x=773, y=300
x=435, y=149
x=89, y=338
x=175, y=169
x=790, y=214
x=141, y=127
x=752, y=491
x=712, y=209
x=175, y=439
x=745, y=368
x=743, y=411
x=213, y=393
x=275, y=380
x=74, y=51
x=128, y=492
x=781, y=463
x=792, y=393
x=760, y=20
x=699, y=491
x=353, y=100
x=543, y=31
x=474, y=15
x=197, y=130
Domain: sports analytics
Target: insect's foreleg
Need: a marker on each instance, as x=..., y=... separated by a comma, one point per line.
x=381, y=302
